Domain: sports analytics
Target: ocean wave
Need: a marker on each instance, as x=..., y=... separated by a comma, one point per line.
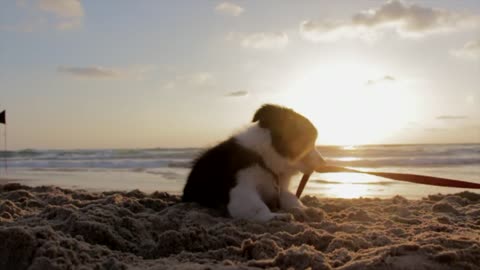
x=405, y=162
x=359, y=156
x=186, y=163
x=109, y=164
x=382, y=183
x=373, y=151
x=102, y=154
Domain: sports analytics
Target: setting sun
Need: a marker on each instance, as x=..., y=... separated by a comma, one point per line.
x=347, y=107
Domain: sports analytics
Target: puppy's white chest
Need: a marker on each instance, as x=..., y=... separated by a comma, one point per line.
x=261, y=181
x=268, y=189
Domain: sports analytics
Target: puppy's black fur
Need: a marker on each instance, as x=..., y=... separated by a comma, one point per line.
x=213, y=173
x=291, y=132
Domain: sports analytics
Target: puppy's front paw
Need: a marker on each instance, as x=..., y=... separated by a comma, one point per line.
x=286, y=217
x=288, y=201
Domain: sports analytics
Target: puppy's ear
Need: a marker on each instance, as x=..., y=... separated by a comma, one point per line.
x=266, y=114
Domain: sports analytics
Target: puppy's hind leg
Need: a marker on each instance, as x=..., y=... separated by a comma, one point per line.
x=246, y=203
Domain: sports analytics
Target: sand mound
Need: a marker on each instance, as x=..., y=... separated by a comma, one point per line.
x=54, y=228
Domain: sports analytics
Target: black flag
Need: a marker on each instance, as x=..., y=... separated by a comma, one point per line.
x=3, y=119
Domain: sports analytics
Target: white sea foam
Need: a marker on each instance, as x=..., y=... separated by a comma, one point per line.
x=166, y=168
x=362, y=156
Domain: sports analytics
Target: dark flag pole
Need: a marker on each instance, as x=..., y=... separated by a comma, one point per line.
x=3, y=120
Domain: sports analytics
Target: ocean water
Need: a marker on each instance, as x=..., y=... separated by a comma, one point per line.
x=166, y=169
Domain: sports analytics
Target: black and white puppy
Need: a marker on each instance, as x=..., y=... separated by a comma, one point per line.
x=250, y=173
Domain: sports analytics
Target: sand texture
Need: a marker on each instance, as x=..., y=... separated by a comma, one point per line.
x=54, y=228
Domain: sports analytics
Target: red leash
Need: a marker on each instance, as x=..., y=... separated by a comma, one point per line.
x=414, y=178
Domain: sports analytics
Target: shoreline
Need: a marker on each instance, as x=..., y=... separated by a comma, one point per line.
x=48, y=226
x=338, y=185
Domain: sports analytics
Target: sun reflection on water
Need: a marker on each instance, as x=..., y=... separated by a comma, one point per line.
x=345, y=177
x=346, y=185
x=349, y=147
x=348, y=191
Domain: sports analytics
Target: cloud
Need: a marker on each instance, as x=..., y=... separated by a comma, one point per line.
x=470, y=51
x=325, y=31
x=228, y=8
x=407, y=20
x=60, y=14
x=92, y=72
x=237, y=94
x=196, y=79
x=200, y=78
x=98, y=72
x=62, y=8
x=451, y=117
x=69, y=13
x=386, y=78
x=260, y=40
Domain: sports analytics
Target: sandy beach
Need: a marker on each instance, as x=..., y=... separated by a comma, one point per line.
x=110, y=111
x=48, y=227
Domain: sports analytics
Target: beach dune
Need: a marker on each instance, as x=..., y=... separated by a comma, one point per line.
x=49, y=227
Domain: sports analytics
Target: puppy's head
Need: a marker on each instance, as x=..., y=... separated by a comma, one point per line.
x=293, y=135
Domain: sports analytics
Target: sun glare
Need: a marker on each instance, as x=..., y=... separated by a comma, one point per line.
x=348, y=191
x=346, y=185
x=351, y=103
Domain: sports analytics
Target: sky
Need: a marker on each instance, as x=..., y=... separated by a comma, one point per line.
x=140, y=74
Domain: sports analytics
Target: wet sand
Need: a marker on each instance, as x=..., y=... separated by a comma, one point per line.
x=53, y=228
